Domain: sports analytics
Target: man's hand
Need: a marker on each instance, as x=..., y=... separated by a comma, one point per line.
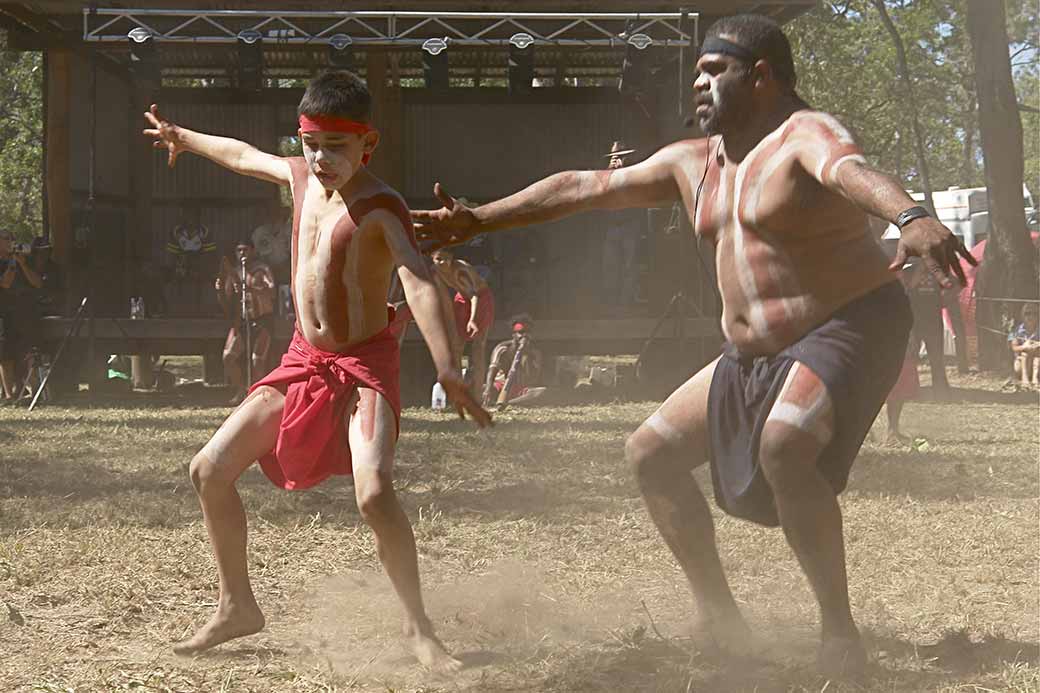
x=462, y=398
x=452, y=224
x=166, y=134
x=937, y=246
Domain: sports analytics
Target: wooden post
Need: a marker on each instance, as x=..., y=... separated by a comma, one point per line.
x=139, y=242
x=386, y=115
x=58, y=177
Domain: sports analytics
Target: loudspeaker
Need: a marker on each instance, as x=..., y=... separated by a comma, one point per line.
x=521, y=69
x=435, y=70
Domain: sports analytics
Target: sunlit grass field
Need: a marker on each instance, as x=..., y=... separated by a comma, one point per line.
x=541, y=569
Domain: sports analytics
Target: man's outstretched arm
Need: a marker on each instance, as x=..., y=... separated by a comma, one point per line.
x=647, y=184
x=829, y=154
x=232, y=154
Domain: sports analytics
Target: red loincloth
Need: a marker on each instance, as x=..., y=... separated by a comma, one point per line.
x=485, y=312
x=312, y=437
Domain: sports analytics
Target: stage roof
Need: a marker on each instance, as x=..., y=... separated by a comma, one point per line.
x=576, y=39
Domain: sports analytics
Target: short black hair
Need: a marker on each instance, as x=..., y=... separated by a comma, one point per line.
x=338, y=93
x=764, y=38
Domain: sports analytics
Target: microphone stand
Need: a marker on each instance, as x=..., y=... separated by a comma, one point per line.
x=247, y=329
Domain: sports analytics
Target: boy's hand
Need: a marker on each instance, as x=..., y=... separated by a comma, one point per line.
x=454, y=223
x=166, y=134
x=472, y=328
x=462, y=398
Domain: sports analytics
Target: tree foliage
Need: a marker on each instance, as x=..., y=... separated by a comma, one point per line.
x=847, y=66
x=21, y=141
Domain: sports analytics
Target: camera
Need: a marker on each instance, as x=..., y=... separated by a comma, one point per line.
x=21, y=249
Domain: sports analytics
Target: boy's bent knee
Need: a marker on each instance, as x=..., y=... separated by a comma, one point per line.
x=205, y=473
x=377, y=501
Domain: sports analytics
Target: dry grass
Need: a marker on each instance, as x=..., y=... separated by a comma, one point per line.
x=540, y=566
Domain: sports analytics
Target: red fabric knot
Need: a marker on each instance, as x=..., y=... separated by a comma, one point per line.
x=330, y=370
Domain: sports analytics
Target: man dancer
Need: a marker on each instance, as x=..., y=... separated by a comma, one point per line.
x=814, y=318
x=333, y=405
x=474, y=307
x=259, y=304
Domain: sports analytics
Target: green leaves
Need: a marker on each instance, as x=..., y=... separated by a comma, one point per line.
x=846, y=65
x=21, y=141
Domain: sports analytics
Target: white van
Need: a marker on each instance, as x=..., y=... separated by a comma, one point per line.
x=965, y=211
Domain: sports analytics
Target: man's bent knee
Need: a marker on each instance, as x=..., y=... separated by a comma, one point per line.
x=787, y=458
x=653, y=461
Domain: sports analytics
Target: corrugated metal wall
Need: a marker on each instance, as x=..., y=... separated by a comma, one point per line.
x=480, y=150
x=486, y=151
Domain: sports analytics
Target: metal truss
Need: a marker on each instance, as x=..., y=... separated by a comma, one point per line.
x=433, y=31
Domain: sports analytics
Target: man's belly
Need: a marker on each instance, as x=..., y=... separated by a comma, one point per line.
x=787, y=306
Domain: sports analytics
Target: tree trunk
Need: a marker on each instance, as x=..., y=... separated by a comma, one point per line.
x=1009, y=268
x=911, y=101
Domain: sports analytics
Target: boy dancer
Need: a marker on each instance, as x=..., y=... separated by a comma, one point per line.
x=333, y=405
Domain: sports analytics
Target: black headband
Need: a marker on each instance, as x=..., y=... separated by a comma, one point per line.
x=714, y=44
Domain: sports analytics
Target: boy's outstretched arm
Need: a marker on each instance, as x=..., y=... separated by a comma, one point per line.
x=424, y=301
x=232, y=154
x=647, y=184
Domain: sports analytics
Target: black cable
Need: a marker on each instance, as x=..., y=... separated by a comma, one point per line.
x=696, y=234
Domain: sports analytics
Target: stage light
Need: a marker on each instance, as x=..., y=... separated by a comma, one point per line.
x=521, y=40
x=144, y=56
x=250, y=60
x=341, y=52
x=435, y=46
x=521, y=69
x=435, y=63
x=635, y=69
x=640, y=41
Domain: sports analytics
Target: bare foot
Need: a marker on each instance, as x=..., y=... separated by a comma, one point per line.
x=842, y=657
x=897, y=438
x=227, y=623
x=429, y=650
x=729, y=636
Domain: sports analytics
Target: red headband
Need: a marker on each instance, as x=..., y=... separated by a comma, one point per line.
x=320, y=123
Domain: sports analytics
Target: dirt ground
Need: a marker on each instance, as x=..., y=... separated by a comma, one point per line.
x=541, y=569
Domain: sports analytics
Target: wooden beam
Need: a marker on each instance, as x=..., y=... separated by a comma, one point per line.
x=387, y=117
x=58, y=154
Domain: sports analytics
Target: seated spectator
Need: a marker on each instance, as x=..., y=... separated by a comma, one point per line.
x=515, y=366
x=1025, y=347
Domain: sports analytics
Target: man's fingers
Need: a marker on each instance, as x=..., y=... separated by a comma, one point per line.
x=900, y=258
x=151, y=118
x=447, y=200
x=422, y=215
x=173, y=158
x=963, y=251
x=955, y=264
x=936, y=270
x=150, y=132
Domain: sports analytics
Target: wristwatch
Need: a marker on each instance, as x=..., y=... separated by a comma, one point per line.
x=908, y=215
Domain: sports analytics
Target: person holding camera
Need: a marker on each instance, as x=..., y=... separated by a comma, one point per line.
x=18, y=279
